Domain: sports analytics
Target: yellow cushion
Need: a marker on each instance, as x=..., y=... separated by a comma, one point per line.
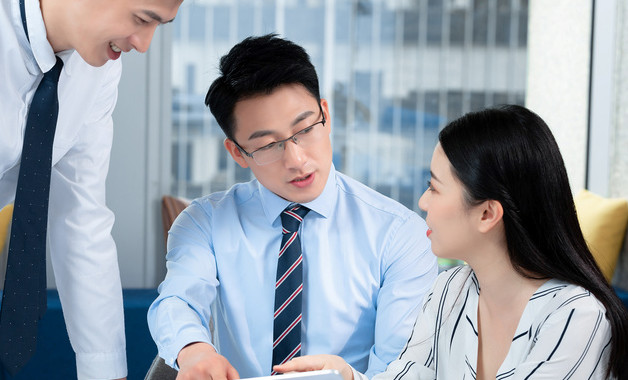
x=603, y=222
x=5, y=220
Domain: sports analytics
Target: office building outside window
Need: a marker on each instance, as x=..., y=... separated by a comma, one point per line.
x=394, y=73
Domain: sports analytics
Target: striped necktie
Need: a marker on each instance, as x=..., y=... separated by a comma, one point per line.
x=24, y=295
x=289, y=288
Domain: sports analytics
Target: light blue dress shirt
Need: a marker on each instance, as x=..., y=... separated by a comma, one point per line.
x=367, y=266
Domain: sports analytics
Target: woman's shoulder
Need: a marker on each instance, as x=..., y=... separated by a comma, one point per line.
x=558, y=303
x=564, y=295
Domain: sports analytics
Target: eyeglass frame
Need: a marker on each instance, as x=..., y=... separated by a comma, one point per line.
x=250, y=155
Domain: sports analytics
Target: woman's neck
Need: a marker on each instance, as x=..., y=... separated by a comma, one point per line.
x=500, y=283
x=504, y=295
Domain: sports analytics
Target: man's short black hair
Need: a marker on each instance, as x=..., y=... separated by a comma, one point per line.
x=257, y=66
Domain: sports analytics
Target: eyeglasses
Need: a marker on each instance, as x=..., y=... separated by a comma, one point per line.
x=274, y=151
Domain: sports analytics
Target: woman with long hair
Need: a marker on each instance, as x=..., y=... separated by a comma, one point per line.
x=531, y=303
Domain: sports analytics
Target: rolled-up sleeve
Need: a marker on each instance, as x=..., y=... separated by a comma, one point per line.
x=181, y=314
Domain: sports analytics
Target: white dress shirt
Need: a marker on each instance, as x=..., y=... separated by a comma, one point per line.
x=83, y=253
x=562, y=334
x=366, y=266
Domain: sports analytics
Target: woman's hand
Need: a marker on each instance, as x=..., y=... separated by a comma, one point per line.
x=315, y=363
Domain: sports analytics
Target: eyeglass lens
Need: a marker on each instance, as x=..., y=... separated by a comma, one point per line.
x=303, y=138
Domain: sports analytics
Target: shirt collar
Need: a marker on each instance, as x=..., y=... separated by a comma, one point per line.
x=41, y=57
x=322, y=205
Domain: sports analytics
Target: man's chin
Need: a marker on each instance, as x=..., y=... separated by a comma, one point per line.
x=93, y=61
x=301, y=196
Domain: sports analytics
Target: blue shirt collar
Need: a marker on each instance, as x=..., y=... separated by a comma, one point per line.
x=323, y=204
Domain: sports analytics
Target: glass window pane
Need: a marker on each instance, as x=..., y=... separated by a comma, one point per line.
x=395, y=73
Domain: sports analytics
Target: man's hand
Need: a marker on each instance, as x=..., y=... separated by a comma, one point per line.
x=199, y=361
x=315, y=363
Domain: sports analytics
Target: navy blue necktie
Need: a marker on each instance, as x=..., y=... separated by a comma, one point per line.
x=24, y=295
x=289, y=288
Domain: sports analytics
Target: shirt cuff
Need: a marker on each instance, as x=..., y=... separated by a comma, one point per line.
x=101, y=366
x=358, y=375
x=170, y=356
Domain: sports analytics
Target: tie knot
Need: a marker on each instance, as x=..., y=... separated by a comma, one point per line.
x=292, y=217
x=54, y=73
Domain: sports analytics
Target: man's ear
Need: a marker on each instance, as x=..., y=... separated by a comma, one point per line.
x=492, y=215
x=235, y=152
x=325, y=108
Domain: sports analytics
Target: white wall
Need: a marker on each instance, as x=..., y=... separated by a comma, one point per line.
x=559, y=36
x=603, y=95
x=618, y=137
x=140, y=162
x=576, y=82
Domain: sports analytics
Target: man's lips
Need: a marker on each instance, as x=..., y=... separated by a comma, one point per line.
x=428, y=233
x=303, y=181
x=301, y=178
x=114, y=47
x=114, y=51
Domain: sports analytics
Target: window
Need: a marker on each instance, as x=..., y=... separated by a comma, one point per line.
x=394, y=73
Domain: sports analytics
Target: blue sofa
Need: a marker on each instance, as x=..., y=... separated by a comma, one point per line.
x=54, y=358
x=623, y=295
x=620, y=278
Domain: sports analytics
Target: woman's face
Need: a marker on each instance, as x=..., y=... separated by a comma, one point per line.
x=452, y=229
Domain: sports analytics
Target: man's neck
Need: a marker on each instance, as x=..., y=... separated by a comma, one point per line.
x=51, y=11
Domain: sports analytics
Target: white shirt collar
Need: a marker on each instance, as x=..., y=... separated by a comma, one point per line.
x=40, y=47
x=42, y=52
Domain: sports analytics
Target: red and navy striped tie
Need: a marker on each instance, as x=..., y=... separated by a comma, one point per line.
x=289, y=288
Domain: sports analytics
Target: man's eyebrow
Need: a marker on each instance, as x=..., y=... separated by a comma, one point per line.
x=156, y=17
x=300, y=117
x=258, y=134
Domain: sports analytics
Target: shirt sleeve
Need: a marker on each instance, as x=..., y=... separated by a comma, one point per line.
x=82, y=250
x=181, y=313
x=573, y=342
x=410, y=271
x=416, y=360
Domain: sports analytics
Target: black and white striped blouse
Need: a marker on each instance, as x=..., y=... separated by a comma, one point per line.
x=562, y=334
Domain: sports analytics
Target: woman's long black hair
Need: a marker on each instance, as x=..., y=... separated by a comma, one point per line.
x=509, y=154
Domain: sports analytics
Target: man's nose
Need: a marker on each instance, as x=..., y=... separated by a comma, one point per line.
x=141, y=40
x=293, y=155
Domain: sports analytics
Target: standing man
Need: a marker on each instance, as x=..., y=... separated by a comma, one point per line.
x=303, y=259
x=59, y=71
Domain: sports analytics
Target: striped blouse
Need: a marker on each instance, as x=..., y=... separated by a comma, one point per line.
x=562, y=334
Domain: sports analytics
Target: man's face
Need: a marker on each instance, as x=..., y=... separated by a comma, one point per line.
x=300, y=173
x=105, y=28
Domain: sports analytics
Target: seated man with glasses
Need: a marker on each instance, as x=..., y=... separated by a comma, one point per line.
x=301, y=260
